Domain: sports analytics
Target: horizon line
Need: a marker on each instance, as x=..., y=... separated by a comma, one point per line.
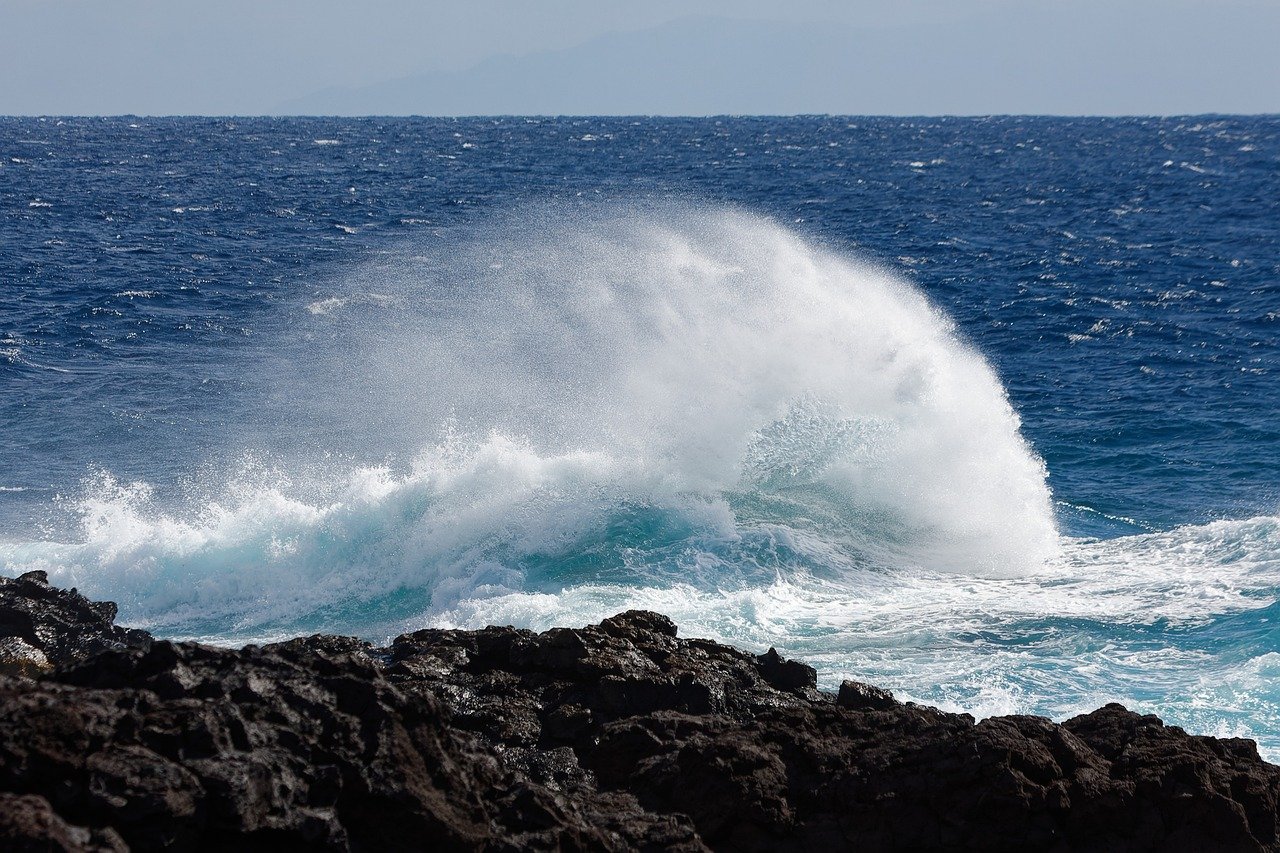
x=699, y=116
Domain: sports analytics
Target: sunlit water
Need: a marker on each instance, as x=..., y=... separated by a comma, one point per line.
x=984, y=411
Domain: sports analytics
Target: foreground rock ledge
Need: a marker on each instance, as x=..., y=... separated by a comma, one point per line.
x=617, y=736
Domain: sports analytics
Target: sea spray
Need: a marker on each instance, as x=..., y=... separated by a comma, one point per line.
x=276, y=470
x=555, y=417
x=722, y=353
x=673, y=395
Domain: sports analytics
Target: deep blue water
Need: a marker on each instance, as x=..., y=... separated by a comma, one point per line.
x=263, y=375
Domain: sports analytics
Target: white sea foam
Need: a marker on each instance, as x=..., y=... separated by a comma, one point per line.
x=1160, y=622
x=334, y=304
x=704, y=374
x=700, y=413
x=1184, y=576
x=326, y=306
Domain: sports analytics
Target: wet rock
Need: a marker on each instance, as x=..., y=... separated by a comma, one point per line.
x=19, y=657
x=617, y=736
x=866, y=697
x=786, y=674
x=43, y=626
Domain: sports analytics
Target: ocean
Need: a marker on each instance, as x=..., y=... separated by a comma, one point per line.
x=985, y=411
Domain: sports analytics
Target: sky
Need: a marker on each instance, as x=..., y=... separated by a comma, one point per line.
x=224, y=57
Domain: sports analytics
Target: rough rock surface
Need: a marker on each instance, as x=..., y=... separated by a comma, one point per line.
x=617, y=736
x=42, y=626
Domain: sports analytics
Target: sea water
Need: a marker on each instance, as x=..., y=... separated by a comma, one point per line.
x=984, y=411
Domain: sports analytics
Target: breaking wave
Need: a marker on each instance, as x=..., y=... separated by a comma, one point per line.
x=649, y=399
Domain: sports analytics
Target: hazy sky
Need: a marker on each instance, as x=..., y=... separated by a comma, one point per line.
x=259, y=56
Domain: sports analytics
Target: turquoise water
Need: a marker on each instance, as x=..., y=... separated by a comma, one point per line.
x=982, y=410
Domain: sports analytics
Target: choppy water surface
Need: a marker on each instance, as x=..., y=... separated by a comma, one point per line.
x=983, y=410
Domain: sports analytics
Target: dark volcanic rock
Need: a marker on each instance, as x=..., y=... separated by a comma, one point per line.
x=29, y=824
x=42, y=626
x=855, y=694
x=617, y=736
x=303, y=744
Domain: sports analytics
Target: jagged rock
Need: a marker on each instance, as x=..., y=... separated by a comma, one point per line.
x=30, y=825
x=47, y=626
x=786, y=674
x=302, y=744
x=859, y=696
x=617, y=736
x=18, y=657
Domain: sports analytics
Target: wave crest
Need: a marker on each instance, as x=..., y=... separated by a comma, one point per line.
x=643, y=397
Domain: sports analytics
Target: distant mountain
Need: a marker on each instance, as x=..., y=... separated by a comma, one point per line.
x=1070, y=59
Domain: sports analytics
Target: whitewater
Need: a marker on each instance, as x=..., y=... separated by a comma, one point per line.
x=979, y=410
x=688, y=409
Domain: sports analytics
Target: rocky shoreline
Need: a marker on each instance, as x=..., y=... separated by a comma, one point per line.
x=617, y=736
